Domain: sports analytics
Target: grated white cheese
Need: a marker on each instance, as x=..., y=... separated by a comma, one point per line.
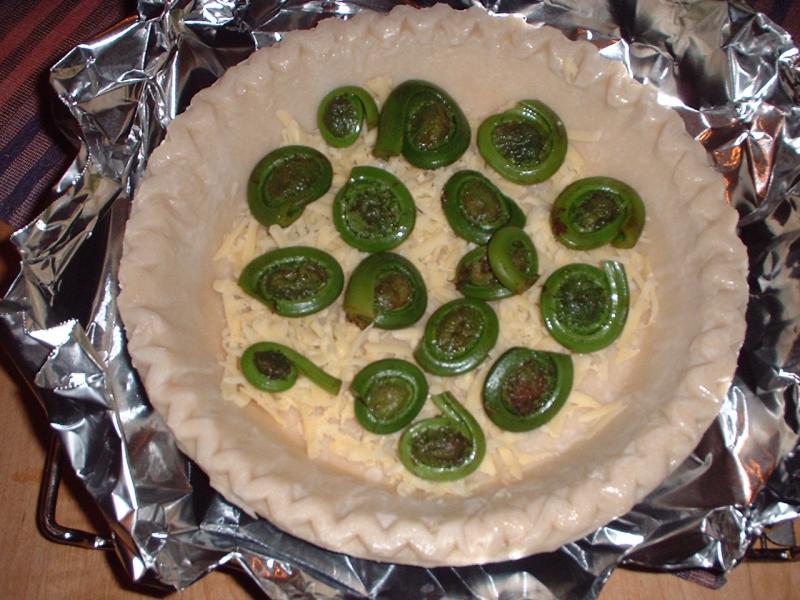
x=327, y=426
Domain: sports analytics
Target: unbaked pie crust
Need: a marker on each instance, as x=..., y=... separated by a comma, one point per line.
x=194, y=190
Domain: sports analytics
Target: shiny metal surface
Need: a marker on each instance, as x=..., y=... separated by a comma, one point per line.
x=731, y=74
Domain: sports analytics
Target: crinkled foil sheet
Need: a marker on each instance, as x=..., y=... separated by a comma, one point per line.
x=734, y=78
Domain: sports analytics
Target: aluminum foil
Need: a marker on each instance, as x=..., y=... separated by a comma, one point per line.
x=732, y=75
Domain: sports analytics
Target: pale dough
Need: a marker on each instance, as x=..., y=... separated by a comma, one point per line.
x=195, y=190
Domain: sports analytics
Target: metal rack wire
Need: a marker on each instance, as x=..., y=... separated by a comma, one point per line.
x=48, y=500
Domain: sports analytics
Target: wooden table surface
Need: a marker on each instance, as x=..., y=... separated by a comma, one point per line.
x=33, y=568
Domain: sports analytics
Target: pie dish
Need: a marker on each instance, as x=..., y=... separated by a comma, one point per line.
x=194, y=191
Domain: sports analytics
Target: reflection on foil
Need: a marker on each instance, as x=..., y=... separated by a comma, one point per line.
x=731, y=74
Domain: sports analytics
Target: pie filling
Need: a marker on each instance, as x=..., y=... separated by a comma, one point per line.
x=326, y=426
